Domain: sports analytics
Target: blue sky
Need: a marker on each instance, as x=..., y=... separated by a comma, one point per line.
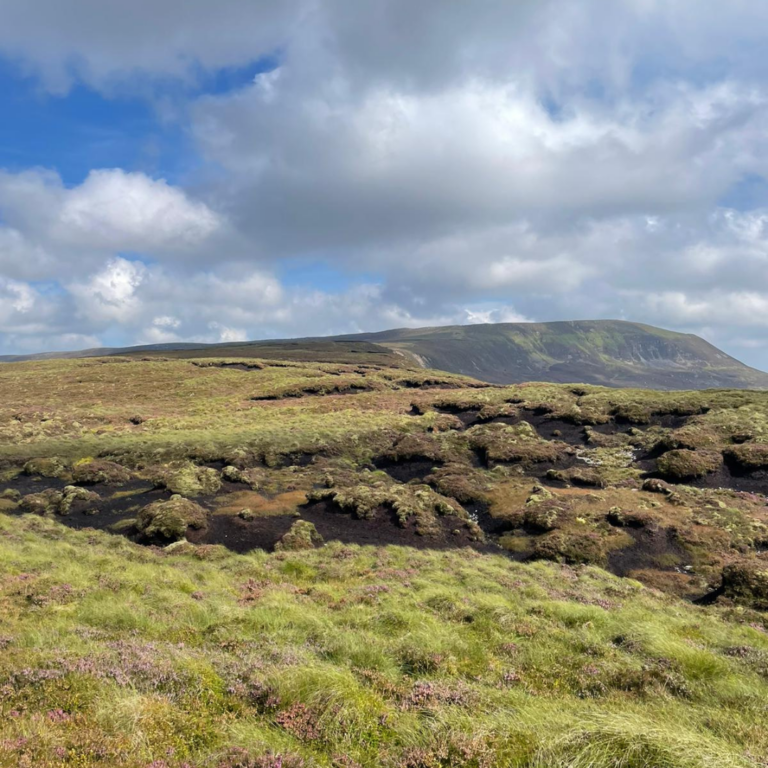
x=177, y=171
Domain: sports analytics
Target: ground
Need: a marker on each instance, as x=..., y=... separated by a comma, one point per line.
x=258, y=563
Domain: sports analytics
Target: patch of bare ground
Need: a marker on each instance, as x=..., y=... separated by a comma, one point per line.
x=407, y=469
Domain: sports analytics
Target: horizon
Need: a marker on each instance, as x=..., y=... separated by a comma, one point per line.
x=174, y=172
x=170, y=345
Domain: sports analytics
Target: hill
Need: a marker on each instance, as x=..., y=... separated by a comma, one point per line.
x=604, y=352
x=225, y=562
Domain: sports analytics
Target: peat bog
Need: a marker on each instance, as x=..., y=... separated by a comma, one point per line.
x=251, y=561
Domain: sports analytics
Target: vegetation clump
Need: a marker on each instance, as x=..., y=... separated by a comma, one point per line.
x=302, y=535
x=47, y=467
x=573, y=548
x=518, y=443
x=746, y=581
x=683, y=464
x=52, y=502
x=630, y=518
x=99, y=471
x=188, y=480
x=749, y=456
x=170, y=519
x=583, y=476
x=417, y=505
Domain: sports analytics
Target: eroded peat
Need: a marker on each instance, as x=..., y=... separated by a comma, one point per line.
x=415, y=458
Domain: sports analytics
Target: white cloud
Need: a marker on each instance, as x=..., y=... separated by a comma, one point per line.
x=497, y=315
x=111, y=294
x=114, y=210
x=49, y=231
x=488, y=161
x=224, y=334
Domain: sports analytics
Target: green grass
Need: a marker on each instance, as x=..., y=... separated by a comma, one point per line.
x=116, y=655
x=191, y=657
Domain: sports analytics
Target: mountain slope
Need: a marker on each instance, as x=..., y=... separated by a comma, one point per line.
x=607, y=352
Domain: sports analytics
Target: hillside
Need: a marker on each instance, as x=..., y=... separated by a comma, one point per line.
x=263, y=563
x=607, y=352
x=604, y=352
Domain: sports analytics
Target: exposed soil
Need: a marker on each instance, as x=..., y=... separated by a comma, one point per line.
x=552, y=428
x=405, y=470
x=243, y=535
x=333, y=525
x=315, y=392
x=736, y=479
x=729, y=476
x=109, y=510
x=492, y=526
x=652, y=546
x=429, y=384
x=26, y=484
x=233, y=366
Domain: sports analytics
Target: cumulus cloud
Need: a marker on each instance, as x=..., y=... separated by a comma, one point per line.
x=111, y=294
x=455, y=162
x=110, y=211
x=114, y=210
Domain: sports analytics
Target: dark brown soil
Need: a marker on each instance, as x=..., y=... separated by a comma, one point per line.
x=234, y=366
x=406, y=470
x=333, y=525
x=650, y=545
x=728, y=476
x=109, y=510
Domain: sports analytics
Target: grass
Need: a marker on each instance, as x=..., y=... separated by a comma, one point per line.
x=119, y=655
x=115, y=654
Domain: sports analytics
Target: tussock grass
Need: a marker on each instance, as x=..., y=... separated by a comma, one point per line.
x=117, y=655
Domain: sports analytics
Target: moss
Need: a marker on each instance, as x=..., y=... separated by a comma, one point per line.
x=71, y=495
x=52, y=502
x=188, y=480
x=573, y=548
x=746, y=581
x=43, y=503
x=682, y=464
x=518, y=443
x=302, y=535
x=582, y=476
x=750, y=456
x=100, y=471
x=170, y=519
x=47, y=467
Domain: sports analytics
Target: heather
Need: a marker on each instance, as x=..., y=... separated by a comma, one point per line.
x=237, y=563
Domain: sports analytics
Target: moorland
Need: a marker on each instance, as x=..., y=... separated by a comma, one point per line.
x=613, y=353
x=240, y=562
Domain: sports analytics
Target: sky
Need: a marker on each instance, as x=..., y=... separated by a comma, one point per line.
x=186, y=170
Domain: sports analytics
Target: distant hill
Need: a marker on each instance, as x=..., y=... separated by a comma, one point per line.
x=608, y=352
x=612, y=353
